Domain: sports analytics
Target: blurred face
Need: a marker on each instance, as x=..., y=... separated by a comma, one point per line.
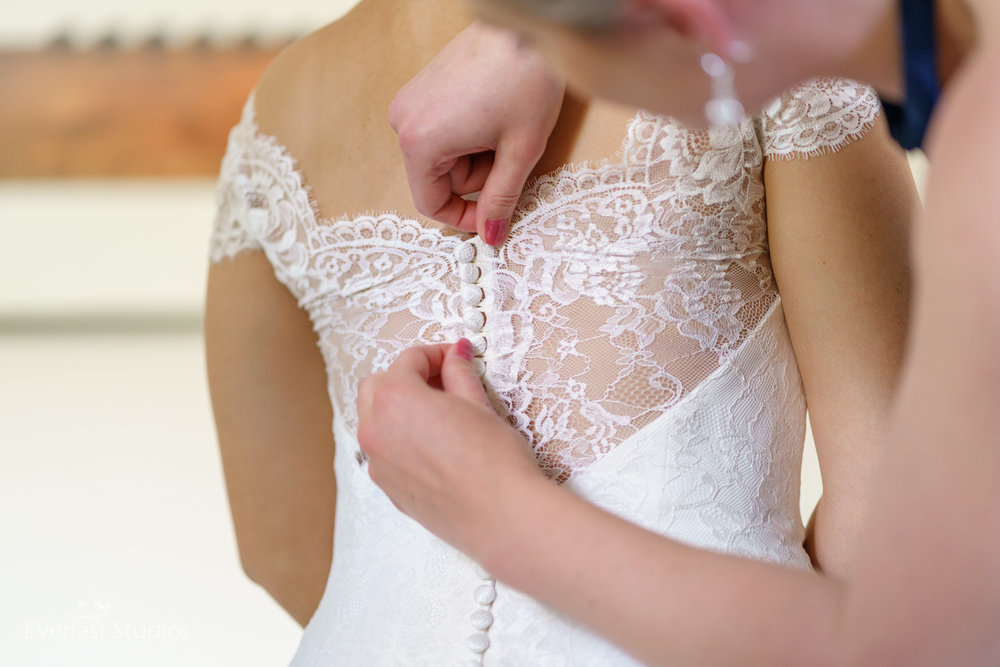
x=635, y=60
x=647, y=53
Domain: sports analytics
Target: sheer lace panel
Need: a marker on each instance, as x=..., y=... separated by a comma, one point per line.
x=638, y=280
x=630, y=329
x=620, y=290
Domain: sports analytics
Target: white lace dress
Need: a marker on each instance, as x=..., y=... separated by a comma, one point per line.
x=630, y=329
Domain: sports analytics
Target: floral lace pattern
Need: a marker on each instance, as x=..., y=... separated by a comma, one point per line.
x=837, y=113
x=630, y=329
x=668, y=252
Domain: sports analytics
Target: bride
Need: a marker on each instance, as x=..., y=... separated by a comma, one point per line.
x=631, y=329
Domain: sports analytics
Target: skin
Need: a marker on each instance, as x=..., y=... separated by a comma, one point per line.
x=272, y=418
x=651, y=58
x=653, y=64
x=924, y=588
x=272, y=413
x=266, y=374
x=943, y=456
x=838, y=230
x=493, y=159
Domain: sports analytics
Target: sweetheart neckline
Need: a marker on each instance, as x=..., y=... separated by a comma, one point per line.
x=319, y=220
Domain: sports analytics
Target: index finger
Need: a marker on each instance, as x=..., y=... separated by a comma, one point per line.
x=433, y=196
x=423, y=362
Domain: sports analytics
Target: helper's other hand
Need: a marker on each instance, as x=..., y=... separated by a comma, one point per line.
x=438, y=449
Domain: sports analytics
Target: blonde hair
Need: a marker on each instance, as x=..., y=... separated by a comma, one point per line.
x=582, y=14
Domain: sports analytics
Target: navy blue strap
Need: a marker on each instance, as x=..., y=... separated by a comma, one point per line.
x=908, y=121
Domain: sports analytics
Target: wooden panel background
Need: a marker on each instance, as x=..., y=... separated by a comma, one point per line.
x=110, y=112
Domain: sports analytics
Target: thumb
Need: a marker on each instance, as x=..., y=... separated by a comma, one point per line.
x=502, y=191
x=460, y=377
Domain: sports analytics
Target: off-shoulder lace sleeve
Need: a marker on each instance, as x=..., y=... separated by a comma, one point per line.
x=231, y=234
x=818, y=117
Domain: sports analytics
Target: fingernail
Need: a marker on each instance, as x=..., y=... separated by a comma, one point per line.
x=463, y=348
x=495, y=231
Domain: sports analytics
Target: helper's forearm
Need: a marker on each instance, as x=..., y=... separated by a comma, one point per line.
x=664, y=602
x=926, y=591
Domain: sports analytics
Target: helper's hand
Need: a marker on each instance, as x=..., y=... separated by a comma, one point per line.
x=439, y=451
x=477, y=118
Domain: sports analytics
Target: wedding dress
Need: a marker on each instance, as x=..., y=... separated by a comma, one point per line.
x=630, y=329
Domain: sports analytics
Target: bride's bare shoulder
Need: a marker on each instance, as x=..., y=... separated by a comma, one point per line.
x=350, y=68
x=296, y=83
x=326, y=98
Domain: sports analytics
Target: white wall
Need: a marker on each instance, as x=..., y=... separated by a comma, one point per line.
x=104, y=247
x=117, y=546
x=34, y=23
x=118, y=549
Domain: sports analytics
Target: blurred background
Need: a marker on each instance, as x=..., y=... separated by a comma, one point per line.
x=117, y=547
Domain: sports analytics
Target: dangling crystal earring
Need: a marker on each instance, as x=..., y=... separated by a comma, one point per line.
x=724, y=108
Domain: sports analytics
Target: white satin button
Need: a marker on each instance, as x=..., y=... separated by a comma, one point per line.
x=486, y=594
x=478, y=643
x=481, y=619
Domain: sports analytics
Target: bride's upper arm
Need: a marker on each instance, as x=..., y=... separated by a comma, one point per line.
x=273, y=417
x=839, y=226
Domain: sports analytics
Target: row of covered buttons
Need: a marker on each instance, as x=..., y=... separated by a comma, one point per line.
x=475, y=322
x=482, y=617
x=472, y=315
x=472, y=299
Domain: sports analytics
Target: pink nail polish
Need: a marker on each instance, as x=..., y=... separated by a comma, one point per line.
x=495, y=231
x=463, y=348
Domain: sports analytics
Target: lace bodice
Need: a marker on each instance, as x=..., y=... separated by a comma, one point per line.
x=630, y=329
